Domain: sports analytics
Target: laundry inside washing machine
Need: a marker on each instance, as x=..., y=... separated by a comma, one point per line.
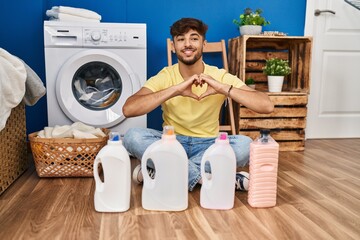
x=97, y=85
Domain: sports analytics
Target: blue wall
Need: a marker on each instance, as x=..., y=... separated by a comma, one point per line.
x=21, y=23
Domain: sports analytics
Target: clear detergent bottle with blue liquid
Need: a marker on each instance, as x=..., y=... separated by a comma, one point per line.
x=113, y=194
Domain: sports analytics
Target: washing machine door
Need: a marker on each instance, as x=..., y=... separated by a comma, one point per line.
x=93, y=85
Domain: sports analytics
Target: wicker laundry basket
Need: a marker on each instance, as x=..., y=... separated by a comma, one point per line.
x=65, y=157
x=13, y=148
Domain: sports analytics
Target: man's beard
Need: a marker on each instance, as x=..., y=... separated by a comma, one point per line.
x=189, y=61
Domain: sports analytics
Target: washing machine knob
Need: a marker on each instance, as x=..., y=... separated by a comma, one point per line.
x=96, y=36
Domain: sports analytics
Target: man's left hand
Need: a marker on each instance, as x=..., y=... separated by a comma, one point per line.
x=213, y=86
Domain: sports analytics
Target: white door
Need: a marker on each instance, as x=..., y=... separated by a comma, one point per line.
x=334, y=100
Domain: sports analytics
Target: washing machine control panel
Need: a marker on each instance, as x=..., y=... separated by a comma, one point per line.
x=116, y=37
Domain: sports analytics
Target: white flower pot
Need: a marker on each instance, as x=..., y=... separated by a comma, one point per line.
x=275, y=83
x=251, y=86
x=250, y=29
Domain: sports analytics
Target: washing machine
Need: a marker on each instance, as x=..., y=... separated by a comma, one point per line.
x=91, y=69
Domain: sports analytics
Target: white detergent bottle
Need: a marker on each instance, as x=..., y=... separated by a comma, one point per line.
x=263, y=168
x=168, y=189
x=112, y=194
x=218, y=189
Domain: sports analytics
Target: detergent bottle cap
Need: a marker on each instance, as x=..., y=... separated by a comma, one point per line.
x=223, y=137
x=114, y=138
x=264, y=135
x=168, y=132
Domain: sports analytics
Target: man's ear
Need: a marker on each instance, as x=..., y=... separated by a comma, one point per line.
x=172, y=47
x=204, y=43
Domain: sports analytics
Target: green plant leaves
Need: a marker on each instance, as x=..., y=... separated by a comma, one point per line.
x=277, y=67
x=251, y=18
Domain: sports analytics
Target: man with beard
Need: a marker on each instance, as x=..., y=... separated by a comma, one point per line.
x=191, y=94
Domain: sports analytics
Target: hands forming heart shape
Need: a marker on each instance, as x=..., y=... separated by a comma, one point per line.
x=200, y=81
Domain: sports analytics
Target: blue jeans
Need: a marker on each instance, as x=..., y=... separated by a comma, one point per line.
x=136, y=141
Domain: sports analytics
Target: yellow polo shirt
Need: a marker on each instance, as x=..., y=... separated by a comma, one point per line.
x=191, y=117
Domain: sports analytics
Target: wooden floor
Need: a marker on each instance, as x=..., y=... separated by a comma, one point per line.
x=318, y=198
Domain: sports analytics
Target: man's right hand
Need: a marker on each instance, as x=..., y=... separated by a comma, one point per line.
x=184, y=88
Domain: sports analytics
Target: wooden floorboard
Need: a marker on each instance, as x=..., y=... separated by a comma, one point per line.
x=318, y=198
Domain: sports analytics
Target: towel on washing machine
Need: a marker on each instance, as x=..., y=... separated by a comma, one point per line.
x=63, y=13
x=72, y=18
x=80, y=12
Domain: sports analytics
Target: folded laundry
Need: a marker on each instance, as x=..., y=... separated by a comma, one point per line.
x=80, y=134
x=82, y=127
x=72, y=18
x=62, y=132
x=81, y=12
x=63, y=13
x=77, y=130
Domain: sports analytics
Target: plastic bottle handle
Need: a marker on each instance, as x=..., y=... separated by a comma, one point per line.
x=99, y=184
x=205, y=181
x=150, y=183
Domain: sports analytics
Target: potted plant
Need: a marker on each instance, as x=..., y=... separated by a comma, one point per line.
x=276, y=69
x=250, y=82
x=250, y=23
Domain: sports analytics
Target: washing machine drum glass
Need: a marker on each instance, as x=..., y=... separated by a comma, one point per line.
x=92, y=87
x=96, y=85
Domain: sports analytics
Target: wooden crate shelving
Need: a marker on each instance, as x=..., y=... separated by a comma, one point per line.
x=247, y=56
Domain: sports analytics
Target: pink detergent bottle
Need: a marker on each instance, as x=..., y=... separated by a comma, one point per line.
x=263, y=168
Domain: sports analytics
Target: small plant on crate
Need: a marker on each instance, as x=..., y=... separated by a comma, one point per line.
x=276, y=69
x=250, y=82
x=250, y=23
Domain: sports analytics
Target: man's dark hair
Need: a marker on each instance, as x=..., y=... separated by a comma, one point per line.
x=183, y=25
